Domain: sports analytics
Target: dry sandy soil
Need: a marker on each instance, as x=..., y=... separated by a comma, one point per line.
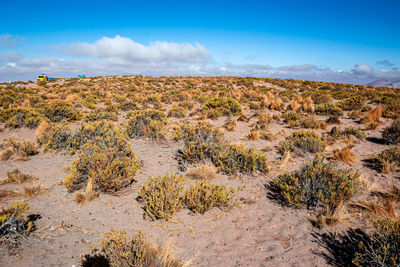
x=257, y=232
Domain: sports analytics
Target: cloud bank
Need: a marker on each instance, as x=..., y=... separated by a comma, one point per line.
x=123, y=56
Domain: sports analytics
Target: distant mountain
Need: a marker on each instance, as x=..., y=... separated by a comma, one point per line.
x=386, y=83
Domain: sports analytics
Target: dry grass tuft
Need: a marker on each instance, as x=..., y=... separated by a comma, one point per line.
x=34, y=190
x=374, y=115
x=308, y=104
x=253, y=135
x=16, y=176
x=80, y=198
x=230, y=124
x=345, y=154
x=43, y=128
x=203, y=172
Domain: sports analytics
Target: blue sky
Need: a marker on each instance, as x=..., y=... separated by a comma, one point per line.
x=333, y=40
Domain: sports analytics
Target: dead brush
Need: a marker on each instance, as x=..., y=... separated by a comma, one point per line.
x=17, y=177
x=277, y=104
x=230, y=124
x=374, y=115
x=344, y=154
x=253, y=135
x=308, y=105
x=202, y=172
x=35, y=189
x=80, y=198
x=294, y=105
x=330, y=217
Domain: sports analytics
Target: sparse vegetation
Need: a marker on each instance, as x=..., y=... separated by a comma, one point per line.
x=119, y=249
x=307, y=141
x=318, y=183
x=203, y=196
x=161, y=196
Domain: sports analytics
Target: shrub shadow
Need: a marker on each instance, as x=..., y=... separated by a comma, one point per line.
x=375, y=140
x=340, y=249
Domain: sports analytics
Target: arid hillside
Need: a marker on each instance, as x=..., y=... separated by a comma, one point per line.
x=190, y=171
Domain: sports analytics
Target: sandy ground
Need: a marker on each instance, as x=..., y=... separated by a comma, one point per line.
x=257, y=232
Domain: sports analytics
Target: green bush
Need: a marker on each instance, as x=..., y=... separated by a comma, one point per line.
x=348, y=131
x=352, y=103
x=392, y=110
x=204, y=196
x=388, y=160
x=149, y=123
x=177, y=112
x=328, y=109
x=317, y=183
x=292, y=118
x=20, y=117
x=97, y=115
x=161, y=196
x=105, y=164
x=60, y=110
x=307, y=141
x=225, y=105
x=391, y=134
x=202, y=142
x=57, y=138
x=383, y=247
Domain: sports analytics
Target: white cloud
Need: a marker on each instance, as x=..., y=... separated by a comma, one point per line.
x=123, y=56
x=9, y=56
x=128, y=50
x=11, y=40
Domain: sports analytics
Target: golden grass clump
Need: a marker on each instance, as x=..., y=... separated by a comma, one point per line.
x=202, y=172
x=42, y=129
x=344, y=154
x=17, y=177
x=230, y=124
x=308, y=104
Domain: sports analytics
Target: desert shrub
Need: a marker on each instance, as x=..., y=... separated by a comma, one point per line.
x=13, y=220
x=388, y=160
x=105, y=163
x=352, y=103
x=90, y=101
x=20, y=117
x=57, y=138
x=328, y=109
x=7, y=99
x=118, y=249
x=60, y=110
x=16, y=176
x=392, y=110
x=204, y=143
x=346, y=132
x=149, y=123
x=317, y=183
x=100, y=115
x=203, y=196
x=310, y=123
x=382, y=248
x=177, y=112
x=391, y=134
x=161, y=196
x=292, y=118
x=22, y=148
x=226, y=106
x=307, y=141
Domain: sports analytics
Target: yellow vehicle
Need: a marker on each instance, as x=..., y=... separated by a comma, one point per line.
x=42, y=77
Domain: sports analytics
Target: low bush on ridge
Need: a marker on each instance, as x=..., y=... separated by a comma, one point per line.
x=204, y=143
x=307, y=141
x=317, y=183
